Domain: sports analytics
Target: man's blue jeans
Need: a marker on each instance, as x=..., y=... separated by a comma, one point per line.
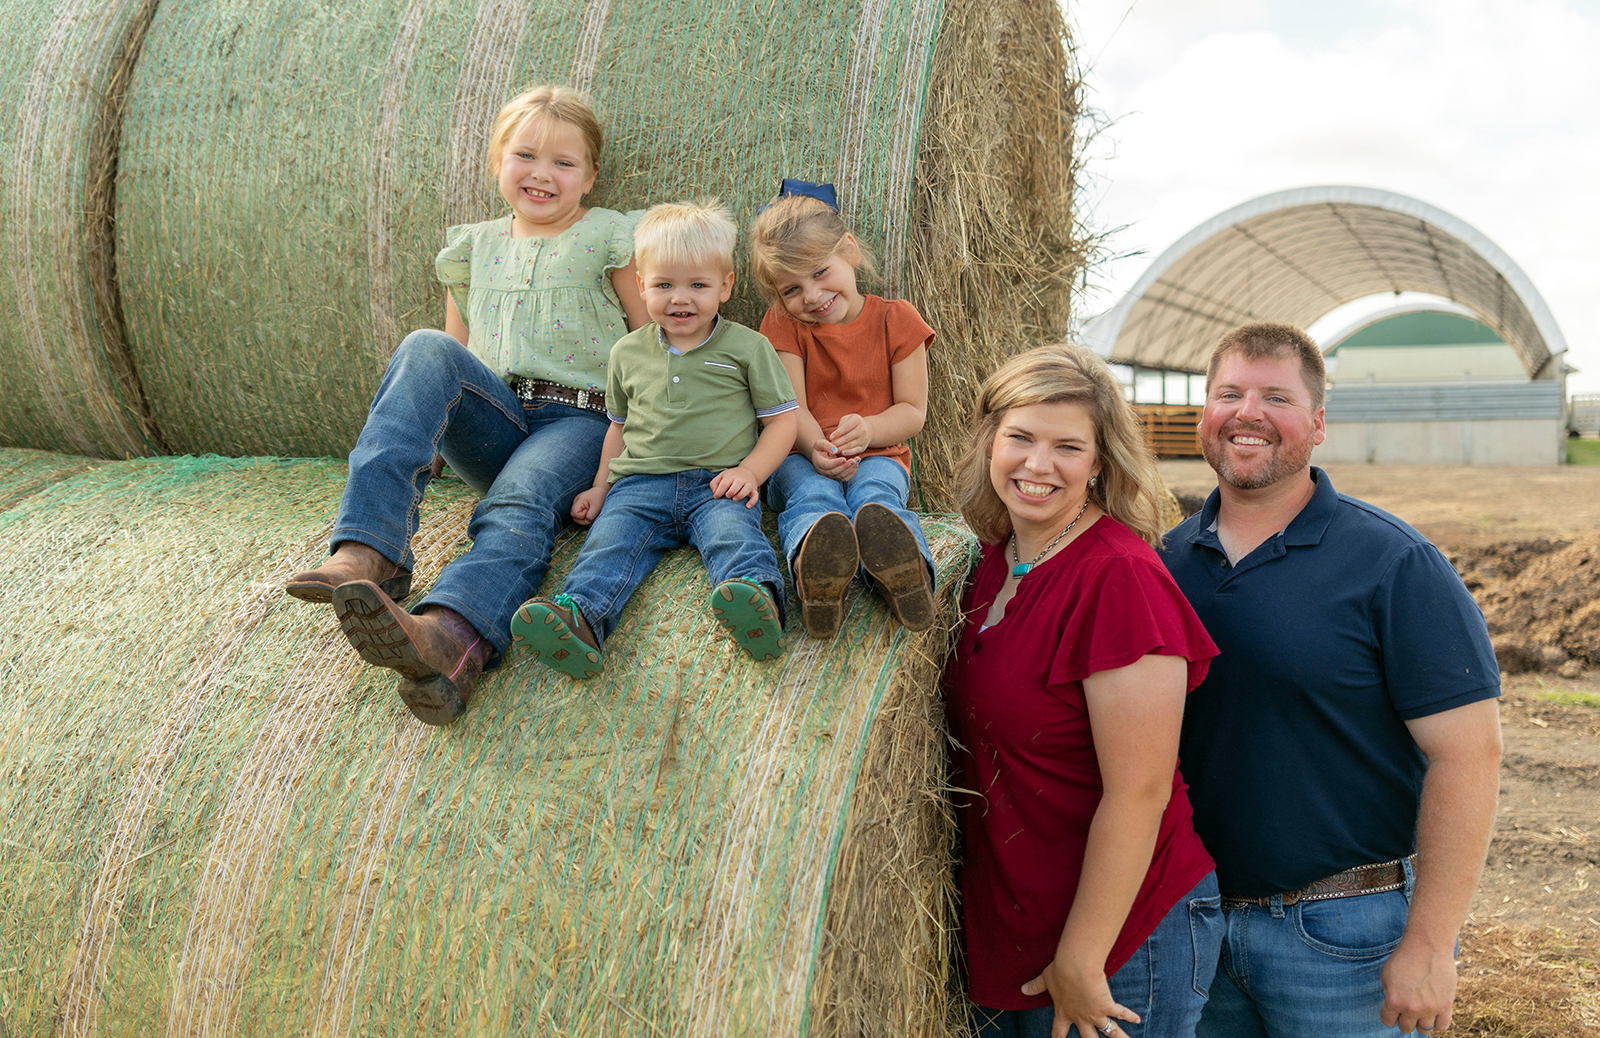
x=643, y=517
x=1308, y=968
x=528, y=458
x=1165, y=982
x=801, y=495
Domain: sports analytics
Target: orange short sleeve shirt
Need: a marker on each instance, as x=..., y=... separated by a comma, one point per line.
x=847, y=365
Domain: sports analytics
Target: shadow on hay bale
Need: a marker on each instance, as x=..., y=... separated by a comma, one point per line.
x=271, y=186
x=219, y=821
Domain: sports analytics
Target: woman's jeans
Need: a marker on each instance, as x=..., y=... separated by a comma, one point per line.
x=643, y=517
x=1166, y=981
x=801, y=495
x=528, y=458
x=1315, y=967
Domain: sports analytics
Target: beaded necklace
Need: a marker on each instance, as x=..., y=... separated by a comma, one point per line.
x=1020, y=568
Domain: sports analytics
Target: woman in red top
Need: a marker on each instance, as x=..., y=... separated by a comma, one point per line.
x=1088, y=901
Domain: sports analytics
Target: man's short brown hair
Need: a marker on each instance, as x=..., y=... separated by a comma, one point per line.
x=1265, y=339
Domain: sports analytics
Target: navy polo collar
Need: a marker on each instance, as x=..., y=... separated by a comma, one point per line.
x=1305, y=528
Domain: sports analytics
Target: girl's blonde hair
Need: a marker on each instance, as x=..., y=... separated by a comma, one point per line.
x=549, y=102
x=1129, y=489
x=797, y=234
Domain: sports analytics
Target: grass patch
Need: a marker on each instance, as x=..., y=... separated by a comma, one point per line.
x=1571, y=698
x=1583, y=452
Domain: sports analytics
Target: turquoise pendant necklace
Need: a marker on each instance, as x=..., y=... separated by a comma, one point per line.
x=1020, y=568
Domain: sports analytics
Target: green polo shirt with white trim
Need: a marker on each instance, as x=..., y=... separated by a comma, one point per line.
x=696, y=410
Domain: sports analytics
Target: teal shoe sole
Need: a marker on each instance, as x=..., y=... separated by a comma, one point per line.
x=745, y=609
x=547, y=636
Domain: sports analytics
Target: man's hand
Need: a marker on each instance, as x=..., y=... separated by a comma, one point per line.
x=1419, y=987
x=737, y=484
x=586, y=506
x=852, y=435
x=825, y=458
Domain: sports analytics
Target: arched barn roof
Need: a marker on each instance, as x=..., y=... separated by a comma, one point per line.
x=1295, y=255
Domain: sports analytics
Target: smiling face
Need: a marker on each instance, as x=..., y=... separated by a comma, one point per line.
x=544, y=172
x=827, y=295
x=683, y=297
x=1259, y=424
x=1040, y=464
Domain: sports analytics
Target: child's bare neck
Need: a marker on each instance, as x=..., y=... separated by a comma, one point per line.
x=523, y=229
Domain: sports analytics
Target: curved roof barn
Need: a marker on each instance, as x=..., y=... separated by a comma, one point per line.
x=1295, y=255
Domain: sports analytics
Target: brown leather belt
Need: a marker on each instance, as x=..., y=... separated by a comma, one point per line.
x=539, y=389
x=1363, y=879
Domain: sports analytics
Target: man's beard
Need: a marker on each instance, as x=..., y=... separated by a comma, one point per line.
x=1284, y=460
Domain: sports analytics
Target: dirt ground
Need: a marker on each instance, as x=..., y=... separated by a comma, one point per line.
x=1530, y=958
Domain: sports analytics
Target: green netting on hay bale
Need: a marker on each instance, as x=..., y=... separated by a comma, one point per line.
x=288, y=169
x=218, y=821
x=65, y=375
x=24, y=473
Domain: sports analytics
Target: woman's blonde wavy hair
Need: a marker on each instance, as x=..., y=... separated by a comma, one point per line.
x=1129, y=489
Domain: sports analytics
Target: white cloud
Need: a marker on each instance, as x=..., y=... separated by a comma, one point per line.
x=1483, y=108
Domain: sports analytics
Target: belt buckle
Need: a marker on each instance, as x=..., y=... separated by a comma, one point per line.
x=583, y=398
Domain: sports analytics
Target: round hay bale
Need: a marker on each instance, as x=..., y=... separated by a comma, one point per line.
x=219, y=821
x=287, y=169
x=66, y=377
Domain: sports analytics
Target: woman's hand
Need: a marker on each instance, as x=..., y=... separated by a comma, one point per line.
x=1082, y=996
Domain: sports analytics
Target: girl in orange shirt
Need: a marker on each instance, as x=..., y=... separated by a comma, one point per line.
x=859, y=365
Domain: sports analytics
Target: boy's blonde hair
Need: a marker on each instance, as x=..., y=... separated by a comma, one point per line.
x=1129, y=489
x=676, y=233
x=546, y=102
x=797, y=234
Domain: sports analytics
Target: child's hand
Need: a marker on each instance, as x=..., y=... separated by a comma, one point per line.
x=853, y=435
x=825, y=458
x=737, y=484
x=586, y=506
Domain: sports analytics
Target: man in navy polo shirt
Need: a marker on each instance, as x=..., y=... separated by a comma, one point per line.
x=1342, y=753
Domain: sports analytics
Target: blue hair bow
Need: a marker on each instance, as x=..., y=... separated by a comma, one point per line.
x=821, y=192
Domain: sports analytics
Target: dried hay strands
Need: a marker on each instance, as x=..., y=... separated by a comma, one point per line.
x=66, y=376
x=287, y=168
x=219, y=822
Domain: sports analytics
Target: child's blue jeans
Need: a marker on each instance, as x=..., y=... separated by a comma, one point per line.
x=643, y=517
x=801, y=495
x=528, y=458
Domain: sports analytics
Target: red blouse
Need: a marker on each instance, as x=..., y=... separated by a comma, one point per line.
x=1014, y=696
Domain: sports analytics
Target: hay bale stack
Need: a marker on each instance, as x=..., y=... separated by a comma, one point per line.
x=218, y=821
x=66, y=378
x=287, y=169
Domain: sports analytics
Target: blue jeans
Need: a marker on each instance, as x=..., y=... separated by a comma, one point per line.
x=1307, y=968
x=1165, y=982
x=801, y=495
x=528, y=459
x=643, y=517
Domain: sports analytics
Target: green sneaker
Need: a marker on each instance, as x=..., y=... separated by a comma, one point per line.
x=746, y=610
x=555, y=632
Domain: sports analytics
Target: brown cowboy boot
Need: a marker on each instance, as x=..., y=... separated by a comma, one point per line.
x=352, y=560
x=893, y=561
x=823, y=567
x=438, y=654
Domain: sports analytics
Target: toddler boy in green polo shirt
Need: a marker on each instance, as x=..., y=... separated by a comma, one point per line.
x=701, y=413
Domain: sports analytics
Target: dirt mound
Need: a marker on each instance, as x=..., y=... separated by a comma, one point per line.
x=1541, y=599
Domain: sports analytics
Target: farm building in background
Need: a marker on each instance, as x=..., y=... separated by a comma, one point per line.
x=1473, y=373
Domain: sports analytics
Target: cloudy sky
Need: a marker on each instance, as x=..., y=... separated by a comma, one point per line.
x=1487, y=109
